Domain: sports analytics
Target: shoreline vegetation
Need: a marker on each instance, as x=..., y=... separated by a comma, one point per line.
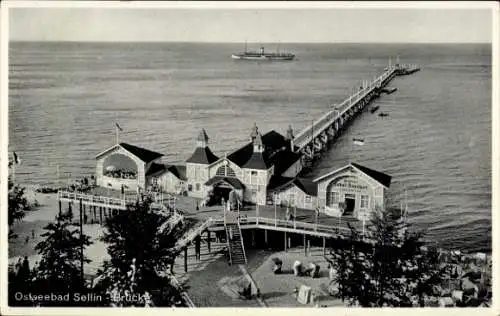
x=43, y=209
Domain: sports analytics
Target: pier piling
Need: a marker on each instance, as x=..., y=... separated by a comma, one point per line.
x=208, y=241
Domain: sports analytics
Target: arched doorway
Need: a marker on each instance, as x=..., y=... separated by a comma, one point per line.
x=220, y=191
x=347, y=194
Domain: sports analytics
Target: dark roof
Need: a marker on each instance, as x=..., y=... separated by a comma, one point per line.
x=141, y=153
x=306, y=185
x=256, y=161
x=282, y=160
x=202, y=155
x=156, y=168
x=277, y=182
x=234, y=182
x=272, y=142
x=178, y=171
x=382, y=178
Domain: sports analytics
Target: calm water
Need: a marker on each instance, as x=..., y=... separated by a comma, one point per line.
x=436, y=143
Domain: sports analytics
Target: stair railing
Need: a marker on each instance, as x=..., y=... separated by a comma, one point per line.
x=228, y=245
x=242, y=243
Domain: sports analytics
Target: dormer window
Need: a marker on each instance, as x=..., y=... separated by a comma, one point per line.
x=225, y=171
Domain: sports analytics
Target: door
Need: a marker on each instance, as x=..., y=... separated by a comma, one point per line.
x=349, y=204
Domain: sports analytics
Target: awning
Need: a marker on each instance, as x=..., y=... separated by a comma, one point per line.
x=234, y=182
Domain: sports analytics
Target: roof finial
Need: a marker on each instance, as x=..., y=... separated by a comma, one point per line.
x=254, y=132
x=202, y=140
x=289, y=133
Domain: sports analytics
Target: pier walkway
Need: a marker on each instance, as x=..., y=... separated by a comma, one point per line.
x=313, y=139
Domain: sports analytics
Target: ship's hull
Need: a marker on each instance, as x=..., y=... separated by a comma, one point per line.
x=262, y=57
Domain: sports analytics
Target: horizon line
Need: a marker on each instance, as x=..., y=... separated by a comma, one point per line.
x=217, y=42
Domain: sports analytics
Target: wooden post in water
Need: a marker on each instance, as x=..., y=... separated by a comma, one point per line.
x=100, y=214
x=309, y=246
x=265, y=236
x=60, y=207
x=185, y=259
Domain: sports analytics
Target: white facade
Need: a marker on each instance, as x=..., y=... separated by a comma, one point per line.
x=349, y=186
x=170, y=183
x=197, y=175
x=293, y=196
x=116, y=183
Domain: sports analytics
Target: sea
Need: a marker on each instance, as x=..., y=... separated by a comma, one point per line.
x=65, y=97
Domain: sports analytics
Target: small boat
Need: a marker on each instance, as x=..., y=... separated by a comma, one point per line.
x=382, y=114
x=374, y=108
x=358, y=141
x=389, y=90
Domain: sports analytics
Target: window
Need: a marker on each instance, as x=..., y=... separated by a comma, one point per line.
x=197, y=187
x=364, y=201
x=332, y=198
x=190, y=187
x=225, y=171
x=253, y=177
x=308, y=199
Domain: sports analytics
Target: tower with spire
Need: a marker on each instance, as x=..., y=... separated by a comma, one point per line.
x=202, y=140
x=197, y=165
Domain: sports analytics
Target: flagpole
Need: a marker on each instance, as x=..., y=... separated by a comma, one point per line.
x=406, y=206
x=117, y=134
x=58, y=176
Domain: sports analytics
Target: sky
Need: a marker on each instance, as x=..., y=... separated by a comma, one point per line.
x=253, y=25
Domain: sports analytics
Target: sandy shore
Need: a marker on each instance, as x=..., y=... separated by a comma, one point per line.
x=34, y=222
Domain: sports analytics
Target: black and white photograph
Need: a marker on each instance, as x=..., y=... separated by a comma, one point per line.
x=248, y=155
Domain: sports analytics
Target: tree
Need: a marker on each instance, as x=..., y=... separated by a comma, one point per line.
x=388, y=267
x=59, y=271
x=19, y=282
x=141, y=246
x=18, y=205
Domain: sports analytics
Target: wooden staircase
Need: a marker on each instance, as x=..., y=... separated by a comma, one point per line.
x=235, y=247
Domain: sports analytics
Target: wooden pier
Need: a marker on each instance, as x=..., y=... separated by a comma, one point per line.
x=313, y=139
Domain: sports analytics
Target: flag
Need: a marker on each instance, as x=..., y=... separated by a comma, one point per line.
x=118, y=126
x=17, y=160
x=359, y=141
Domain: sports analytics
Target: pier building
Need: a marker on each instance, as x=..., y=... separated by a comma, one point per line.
x=248, y=171
x=265, y=170
x=125, y=166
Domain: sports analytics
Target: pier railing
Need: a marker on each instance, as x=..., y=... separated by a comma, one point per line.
x=187, y=238
x=288, y=225
x=158, y=201
x=314, y=130
x=96, y=199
